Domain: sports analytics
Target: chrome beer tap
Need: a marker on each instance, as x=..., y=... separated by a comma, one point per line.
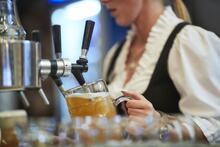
x=56, y=31
x=81, y=64
x=62, y=67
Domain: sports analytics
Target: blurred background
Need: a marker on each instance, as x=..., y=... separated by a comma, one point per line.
x=71, y=15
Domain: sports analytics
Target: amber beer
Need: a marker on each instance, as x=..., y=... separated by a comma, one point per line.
x=91, y=104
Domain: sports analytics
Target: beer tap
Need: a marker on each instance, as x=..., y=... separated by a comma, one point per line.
x=22, y=67
x=61, y=67
x=81, y=64
x=56, y=34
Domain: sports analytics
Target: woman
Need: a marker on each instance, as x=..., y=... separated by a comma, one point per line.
x=173, y=65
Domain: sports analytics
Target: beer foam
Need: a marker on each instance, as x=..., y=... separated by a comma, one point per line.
x=89, y=95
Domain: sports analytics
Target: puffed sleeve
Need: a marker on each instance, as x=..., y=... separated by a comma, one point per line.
x=193, y=66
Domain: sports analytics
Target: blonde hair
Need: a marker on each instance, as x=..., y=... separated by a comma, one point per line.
x=181, y=10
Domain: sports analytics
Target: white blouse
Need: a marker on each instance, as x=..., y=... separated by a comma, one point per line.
x=193, y=65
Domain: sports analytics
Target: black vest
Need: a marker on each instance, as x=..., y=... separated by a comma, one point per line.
x=161, y=91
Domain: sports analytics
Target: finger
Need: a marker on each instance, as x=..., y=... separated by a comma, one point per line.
x=133, y=95
x=139, y=112
x=139, y=104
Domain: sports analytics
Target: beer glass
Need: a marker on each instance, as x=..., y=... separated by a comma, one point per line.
x=92, y=99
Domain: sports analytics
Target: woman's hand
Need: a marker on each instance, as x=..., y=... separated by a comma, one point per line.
x=139, y=106
x=142, y=116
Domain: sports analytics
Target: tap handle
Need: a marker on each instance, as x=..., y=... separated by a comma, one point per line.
x=56, y=30
x=36, y=35
x=87, y=37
